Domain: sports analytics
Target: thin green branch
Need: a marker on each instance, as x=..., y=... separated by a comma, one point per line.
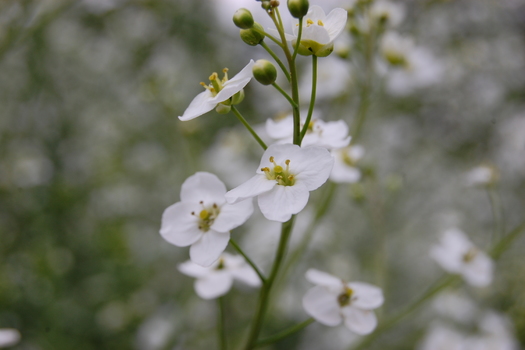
x=286, y=333
x=248, y=260
x=294, y=105
x=506, y=241
x=496, y=218
x=271, y=37
x=250, y=129
x=264, y=296
x=276, y=58
x=312, y=98
x=298, y=42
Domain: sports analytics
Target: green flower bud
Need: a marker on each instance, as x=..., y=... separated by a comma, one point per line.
x=264, y=72
x=251, y=36
x=298, y=8
x=222, y=109
x=243, y=18
x=238, y=97
x=265, y=4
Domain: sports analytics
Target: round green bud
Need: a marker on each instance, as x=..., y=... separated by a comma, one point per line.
x=265, y=4
x=243, y=18
x=264, y=72
x=298, y=8
x=238, y=97
x=222, y=109
x=251, y=36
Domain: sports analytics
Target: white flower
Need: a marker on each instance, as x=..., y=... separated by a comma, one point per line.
x=334, y=78
x=334, y=301
x=483, y=175
x=286, y=175
x=441, y=337
x=319, y=30
x=9, y=337
x=456, y=254
x=219, y=90
x=345, y=170
x=202, y=219
x=216, y=280
x=319, y=133
x=389, y=12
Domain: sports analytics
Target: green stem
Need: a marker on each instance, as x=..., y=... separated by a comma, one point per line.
x=221, y=326
x=506, y=241
x=248, y=260
x=264, y=295
x=271, y=37
x=296, y=49
x=287, y=332
x=496, y=217
x=312, y=98
x=245, y=123
x=276, y=59
x=284, y=94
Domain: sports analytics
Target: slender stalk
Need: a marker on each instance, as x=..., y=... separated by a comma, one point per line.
x=221, y=325
x=276, y=59
x=250, y=129
x=271, y=37
x=496, y=218
x=287, y=332
x=248, y=260
x=312, y=97
x=284, y=94
x=296, y=49
x=264, y=295
x=506, y=241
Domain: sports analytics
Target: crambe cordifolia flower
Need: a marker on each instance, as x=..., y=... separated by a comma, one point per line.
x=9, y=337
x=202, y=218
x=333, y=301
x=219, y=91
x=319, y=31
x=216, y=280
x=319, y=133
x=345, y=170
x=286, y=175
x=456, y=254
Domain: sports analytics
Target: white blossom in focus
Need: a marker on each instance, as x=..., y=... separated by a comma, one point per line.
x=218, y=91
x=456, y=254
x=203, y=219
x=9, y=337
x=345, y=170
x=330, y=135
x=333, y=301
x=216, y=280
x=286, y=175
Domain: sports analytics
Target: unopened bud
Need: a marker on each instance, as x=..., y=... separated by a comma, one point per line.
x=243, y=18
x=251, y=36
x=298, y=8
x=266, y=4
x=264, y=72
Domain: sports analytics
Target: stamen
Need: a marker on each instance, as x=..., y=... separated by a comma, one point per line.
x=291, y=177
x=309, y=22
x=265, y=169
x=272, y=159
x=214, y=76
x=225, y=77
x=287, y=162
x=320, y=23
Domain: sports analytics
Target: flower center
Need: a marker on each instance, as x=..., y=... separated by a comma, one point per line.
x=216, y=84
x=207, y=216
x=345, y=298
x=221, y=264
x=470, y=255
x=280, y=174
x=309, y=22
x=348, y=160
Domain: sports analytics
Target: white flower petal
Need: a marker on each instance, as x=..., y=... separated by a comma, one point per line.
x=449, y=261
x=275, y=33
x=479, y=271
x=189, y=268
x=280, y=129
x=359, y=321
x=203, y=186
x=312, y=167
x=9, y=337
x=202, y=103
x=335, y=22
x=235, y=84
x=282, y=201
x=335, y=134
x=280, y=153
x=233, y=215
x=209, y=248
x=316, y=34
x=247, y=275
x=322, y=305
x=214, y=285
x=315, y=13
x=178, y=226
x=324, y=279
x=343, y=173
x=366, y=296
x=251, y=188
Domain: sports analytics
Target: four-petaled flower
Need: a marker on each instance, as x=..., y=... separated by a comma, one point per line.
x=218, y=91
x=203, y=219
x=457, y=254
x=345, y=170
x=216, y=280
x=286, y=175
x=334, y=301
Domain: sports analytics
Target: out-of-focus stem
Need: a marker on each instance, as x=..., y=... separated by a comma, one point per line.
x=248, y=260
x=250, y=129
x=312, y=97
x=284, y=94
x=286, y=333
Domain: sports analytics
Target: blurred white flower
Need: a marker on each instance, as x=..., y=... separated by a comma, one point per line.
x=286, y=175
x=345, y=159
x=202, y=218
x=319, y=133
x=334, y=77
x=334, y=301
x=319, y=30
x=219, y=90
x=387, y=12
x=216, y=280
x=483, y=175
x=456, y=254
x=9, y=337
x=441, y=337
